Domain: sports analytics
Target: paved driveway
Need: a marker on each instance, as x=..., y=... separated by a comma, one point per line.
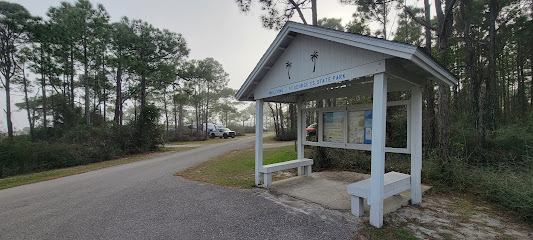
x=143, y=200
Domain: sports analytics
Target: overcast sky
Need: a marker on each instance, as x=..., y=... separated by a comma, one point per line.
x=212, y=28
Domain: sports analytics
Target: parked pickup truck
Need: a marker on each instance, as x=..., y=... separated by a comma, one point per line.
x=222, y=133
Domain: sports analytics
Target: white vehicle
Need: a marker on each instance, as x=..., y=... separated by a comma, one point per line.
x=210, y=126
x=222, y=133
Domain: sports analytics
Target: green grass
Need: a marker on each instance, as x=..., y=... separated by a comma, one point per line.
x=270, y=139
x=63, y=172
x=385, y=233
x=236, y=169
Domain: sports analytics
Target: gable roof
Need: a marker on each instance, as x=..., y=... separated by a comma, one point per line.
x=432, y=69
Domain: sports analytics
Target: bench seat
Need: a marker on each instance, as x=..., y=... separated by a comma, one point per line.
x=394, y=183
x=303, y=165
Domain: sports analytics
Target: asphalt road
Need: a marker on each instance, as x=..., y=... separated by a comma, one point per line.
x=143, y=200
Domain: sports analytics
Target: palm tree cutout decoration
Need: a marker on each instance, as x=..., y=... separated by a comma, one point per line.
x=288, y=66
x=314, y=57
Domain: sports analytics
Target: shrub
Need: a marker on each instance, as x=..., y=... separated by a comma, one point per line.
x=288, y=135
x=179, y=136
x=148, y=133
x=78, y=145
x=19, y=156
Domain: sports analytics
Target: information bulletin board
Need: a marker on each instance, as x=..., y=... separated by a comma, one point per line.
x=333, y=127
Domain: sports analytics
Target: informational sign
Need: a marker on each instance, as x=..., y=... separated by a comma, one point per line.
x=368, y=127
x=333, y=127
x=356, y=127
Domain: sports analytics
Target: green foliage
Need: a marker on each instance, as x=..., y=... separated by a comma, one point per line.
x=331, y=23
x=288, y=135
x=239, y=130
x=148, y=132
x=511, y=146
x=77, y=146
x=179, y=136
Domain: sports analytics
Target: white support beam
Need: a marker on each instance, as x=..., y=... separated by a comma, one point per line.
x=416, y=144
x=258, y=140
x=300, y=128
x=379, y=113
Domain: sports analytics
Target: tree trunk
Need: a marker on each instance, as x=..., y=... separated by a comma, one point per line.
x=27, y=102
x=531, y=83
x=43, y=86
x=430, y=133
x=197, y=115
x=477, y=98
x=280, y=118
x=180, y=117
x=118, y=93
x=175, y=112
x=314, y=15
x=385, y=20
x=445, y=20
x=491, y=83
x=8, y=105
x=165, y=106
x=143, y=95
x=292, y=116
x=207, y=111
x=104, y=85
x=72, y=76
x=86, y=83
x=274, y=115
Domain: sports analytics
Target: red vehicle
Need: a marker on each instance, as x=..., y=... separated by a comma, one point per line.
x=311, y=130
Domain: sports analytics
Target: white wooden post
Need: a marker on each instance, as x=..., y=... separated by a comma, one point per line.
x=379, y=113
x=258, y=140
x=416, y=144
x=299, y=135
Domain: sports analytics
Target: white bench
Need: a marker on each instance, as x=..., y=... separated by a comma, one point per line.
x=303, y=165
x=394, y=182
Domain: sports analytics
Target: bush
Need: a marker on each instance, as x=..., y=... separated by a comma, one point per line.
x=19, y=156
x=179, y=136
x=148, y=133
x=355, y=160
x=288, y=135
x=511, y=146
x=78, y=145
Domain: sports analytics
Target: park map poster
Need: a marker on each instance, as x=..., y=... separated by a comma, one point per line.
x=356, y=124
x=360, y=127
x=333, y=127
x=368, y=127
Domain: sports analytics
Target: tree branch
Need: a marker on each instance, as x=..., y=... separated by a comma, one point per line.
x=419, y=21
x=298, y=10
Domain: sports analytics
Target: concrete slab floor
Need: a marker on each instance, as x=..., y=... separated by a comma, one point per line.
x=329, y=189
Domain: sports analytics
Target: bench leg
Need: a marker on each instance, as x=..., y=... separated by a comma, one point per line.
x=358, y=207
x=308, y=171
x=268, y=180
x=301, y=171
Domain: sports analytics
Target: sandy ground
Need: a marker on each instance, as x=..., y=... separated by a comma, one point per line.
x=438, y=217
x=450, y=217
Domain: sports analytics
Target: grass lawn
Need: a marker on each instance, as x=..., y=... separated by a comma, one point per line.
x=270, y=139
x=385, y=233
x=236, y=169
x=63, y=172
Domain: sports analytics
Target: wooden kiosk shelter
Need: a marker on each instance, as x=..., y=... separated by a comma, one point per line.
x=308, y=63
